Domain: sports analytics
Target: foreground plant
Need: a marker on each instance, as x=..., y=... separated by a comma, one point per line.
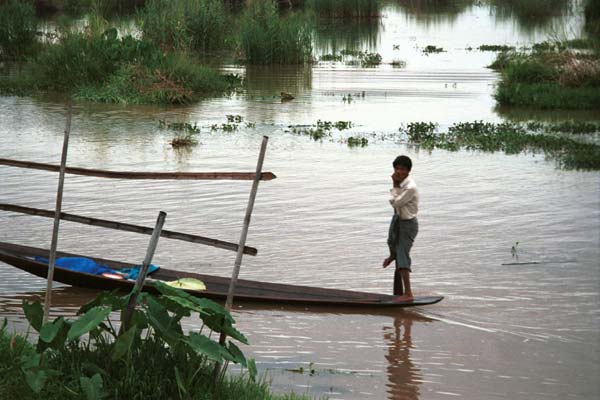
x=153, y=358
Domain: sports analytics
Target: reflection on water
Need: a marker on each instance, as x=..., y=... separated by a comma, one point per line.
x=355, y=34
x=403, y=375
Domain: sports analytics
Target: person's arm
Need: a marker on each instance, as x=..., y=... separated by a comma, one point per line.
x=401, y=199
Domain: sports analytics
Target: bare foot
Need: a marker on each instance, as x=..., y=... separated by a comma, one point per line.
x=387, y=261
x=403, y=298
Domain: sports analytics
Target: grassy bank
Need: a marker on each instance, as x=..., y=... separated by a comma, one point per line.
x=551, y=76
x=153, y=358
x=97, y=65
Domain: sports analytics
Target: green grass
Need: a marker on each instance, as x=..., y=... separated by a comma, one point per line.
x=18, y=27
x=267, y=38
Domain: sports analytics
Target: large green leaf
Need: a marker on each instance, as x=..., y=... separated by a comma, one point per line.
x=36, y=380
x=158, y=317
x=218, y=324
x=51, y=329
x=90, y=320
x=203, y=345
x=34, y=314
x=204, y=304
x=238, y=355
x=252, y=369
x=59, y=337
x=92, y=387
x=104, y=299
x=124, y=342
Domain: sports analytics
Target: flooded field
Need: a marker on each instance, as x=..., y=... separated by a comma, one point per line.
x=516, y=331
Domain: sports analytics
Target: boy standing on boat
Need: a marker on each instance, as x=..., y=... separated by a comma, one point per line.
x=404, y=198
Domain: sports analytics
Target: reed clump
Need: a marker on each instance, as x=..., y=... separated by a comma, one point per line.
x=268, y=38
x=510, y=138
x=18, y=30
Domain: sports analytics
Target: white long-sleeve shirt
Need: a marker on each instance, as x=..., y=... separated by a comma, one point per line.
x=405, y=199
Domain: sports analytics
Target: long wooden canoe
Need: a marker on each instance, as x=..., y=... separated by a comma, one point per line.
x=22, y=257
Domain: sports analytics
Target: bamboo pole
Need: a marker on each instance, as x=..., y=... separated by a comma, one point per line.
x=244, y=176
x=238, y=258
x=139, y=283
x=249, y=208
x=128, y=227
x=59, y=195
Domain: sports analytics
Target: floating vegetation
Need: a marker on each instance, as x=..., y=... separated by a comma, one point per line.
x=369, y=59
x=573, y=127
x=185, y=136
x=495, y=47
x=357, y=141
x=398, y=64
x=233, y=124
x=331, y=57
x=508, y=137
x=321, y=130
x=433, y=49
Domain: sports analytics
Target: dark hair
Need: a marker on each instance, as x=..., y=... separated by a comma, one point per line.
x=403, y=161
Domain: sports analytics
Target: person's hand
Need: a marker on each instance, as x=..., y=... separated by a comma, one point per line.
x=395, y=180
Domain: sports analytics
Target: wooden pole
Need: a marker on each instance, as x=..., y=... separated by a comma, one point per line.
x=128, y=227
x=242, y=242
x=100, y=173
x=139, y=283
x=59, y=195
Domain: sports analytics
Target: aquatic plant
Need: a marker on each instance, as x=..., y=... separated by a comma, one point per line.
x=510, y=138
x=432, y=49
x=357, y=141
x=321, y=129
x=267, y=38
x=369, y=59
x=18, y=29
x=495, y=47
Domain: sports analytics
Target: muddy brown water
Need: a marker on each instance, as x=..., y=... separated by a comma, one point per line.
x=524, y=331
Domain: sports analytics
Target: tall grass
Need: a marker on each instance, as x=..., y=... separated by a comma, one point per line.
x=201, y=25
x=345, y=8
x=18, y=27
x=267, y=38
